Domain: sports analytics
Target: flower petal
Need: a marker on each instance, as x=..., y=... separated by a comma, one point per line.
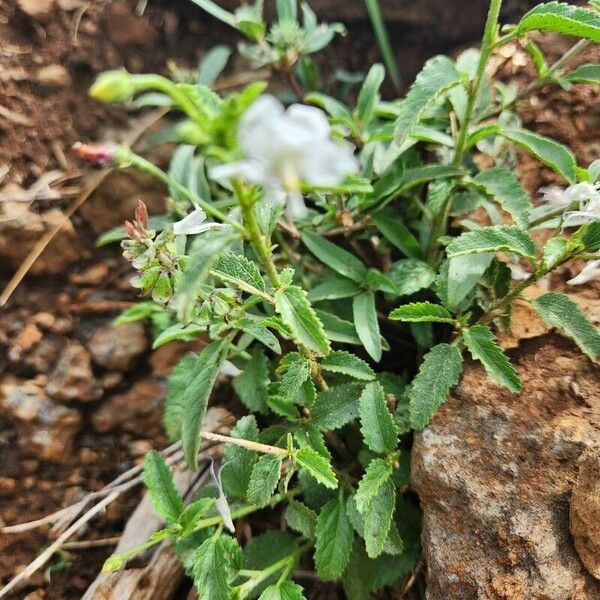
x=295, y=208
x=590, y=272
x=328, y=163
x=193, y=223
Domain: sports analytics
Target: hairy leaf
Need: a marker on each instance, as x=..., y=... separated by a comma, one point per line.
x=376, y=474
x=504, y=238
x=286, y=590
x=317, y=466
x=164, y=496
x=239, y=461
x=240, y=267
x=376, y=422
x=378, y=519
x=367, y=324
x=301, y=518
x=335, y=407
x=252, y=386
x=369, y=93
x=264, y=478
x=210, y=571
x=349, y=364
x=419, y=312
x=411, y=275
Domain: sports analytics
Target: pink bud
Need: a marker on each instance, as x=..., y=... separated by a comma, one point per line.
x=98, y=154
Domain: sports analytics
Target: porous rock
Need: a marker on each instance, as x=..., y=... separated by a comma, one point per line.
x=45, y=429
x=494, y=473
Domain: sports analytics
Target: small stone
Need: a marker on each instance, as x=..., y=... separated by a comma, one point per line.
x=45, y=429
x=111, y=380
x=40, y=10
x=72, y=380
x=118, y=347
x=88, y=457
x=53, y=76
x=45, y=320
x=61, y=326
x=94, y=275
x=139, y=447
x=136, y=410
x=28, y=337
x=7, y=486
x=585, y=511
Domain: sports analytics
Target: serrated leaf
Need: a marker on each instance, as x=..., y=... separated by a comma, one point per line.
x=459, y=276
x=558, y=310
x=411, y=275
x=498, y=238
x=391, y=226
x=585, y=74
x=334, y=289
x=376, y=474
x=296, y=370
x=590, y=236
x=210, y=572
x=437, y=76
x=368, y=96
x=366, y=323
x=349, y=364
x=554, y=252
x=421, y=312
x=252, y=385
x=263, y=335
x=564, y=18
x=334, y=257
x=317, y=466
x=264, y=478
x=240, y=267
x=505, y=188
x=439, y=372
x=378, y=519
x=177, y=383
x=551, y=153
x=158, y=480
x=298, y=314
x=195, y=399
x=204, y=252
x=335, y=407
x=376, y=422
x=239, y=461
x=301, y=518
x=482, y=345
x=334, y=540
x=286, y=590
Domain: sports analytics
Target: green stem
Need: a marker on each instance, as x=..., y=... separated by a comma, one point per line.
x=162, y=84
x=552, y=214
x=140, y=163
x=260, y=242
x=487, y=44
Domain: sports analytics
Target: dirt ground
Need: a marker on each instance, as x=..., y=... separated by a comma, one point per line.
x=53, y=331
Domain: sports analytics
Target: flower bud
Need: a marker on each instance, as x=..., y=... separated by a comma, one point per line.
x=97, y=154
x=113, y=86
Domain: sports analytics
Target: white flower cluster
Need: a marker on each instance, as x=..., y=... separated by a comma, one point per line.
x=283, y=148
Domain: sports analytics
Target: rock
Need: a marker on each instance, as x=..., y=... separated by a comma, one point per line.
x=93, y=275
x=585, y=511
x=137, y=410
x=45, y=320
x=28, y=337
x=40, y=10
x=21, y=229
x=45, y=429
x=53, y=76
x=72, y=379
x=118, y=347
x=494, y=472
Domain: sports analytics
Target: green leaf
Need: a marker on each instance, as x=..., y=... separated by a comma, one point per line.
x=585, y=74
x=297, y=313
x=317, y=466
x=334, y=540
x=164, y=496
x=195, y=399
x=331, y=106
x=378, y=519
x=239, y=461
x=334, y=289
x=286, y=590
x=551, y=153
x=505, y=188
x=301, y=518
x=237, y=266
x=498, y=238
x=439, y=372
x=336, y=258
x=179, y=333
x=554, y=252
x=335, y=407
x=264, y=478
x=590, y=236
x=296, y=370
x=437, y=77
x=338, y=330
x=348, y=364
x=261, y=333
x=204, y=252
x=558, y=310
x=177, y=383
x=564, y=18
x=368, y=96
x=252, y=385
x=419, y=312
x=213, y=63
x=376, y=422
x=367, y=324
x=378, y=472
x=210, y=570
x=459, y=276
x=391, y=226
x=411, y=275
x=483, y=347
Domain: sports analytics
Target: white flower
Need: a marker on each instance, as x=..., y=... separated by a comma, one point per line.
x=221, y=503
x=228, y=369
x=588, y=198
x=284, y=148
x=193, y=223
x=518, y=273
x=553, y=195
x=590, y=272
